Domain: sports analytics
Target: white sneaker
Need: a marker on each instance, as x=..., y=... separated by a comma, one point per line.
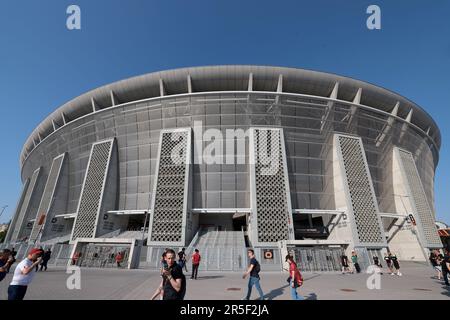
x=392, y=274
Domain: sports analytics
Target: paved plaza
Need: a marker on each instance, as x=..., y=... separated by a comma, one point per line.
x=417, y=282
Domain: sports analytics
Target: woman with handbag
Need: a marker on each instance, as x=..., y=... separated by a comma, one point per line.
x=295, y=278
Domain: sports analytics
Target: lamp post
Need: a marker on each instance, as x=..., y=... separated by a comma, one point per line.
x=3, y=209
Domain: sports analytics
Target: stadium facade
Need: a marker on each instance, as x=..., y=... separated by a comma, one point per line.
x=226, y=157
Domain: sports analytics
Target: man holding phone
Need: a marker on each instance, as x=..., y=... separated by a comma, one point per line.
x=174, y=281
x=24, y=274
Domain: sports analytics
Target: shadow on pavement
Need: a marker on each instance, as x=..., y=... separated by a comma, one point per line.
x=446, y=291
x=312, y=296
x=209, y=277
x=275, y=292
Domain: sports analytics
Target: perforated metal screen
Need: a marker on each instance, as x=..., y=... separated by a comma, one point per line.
x=363, y=200
x=47, y=196
x=422, y=208
x=169, y=202
x=92, y=192
x=273, y=214
x=25, y=205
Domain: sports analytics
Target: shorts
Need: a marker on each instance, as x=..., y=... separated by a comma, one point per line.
x=438, y=268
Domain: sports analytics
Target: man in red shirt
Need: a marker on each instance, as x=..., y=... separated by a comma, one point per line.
x=195, y=263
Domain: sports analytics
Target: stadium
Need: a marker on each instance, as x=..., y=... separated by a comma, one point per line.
x=222, y=158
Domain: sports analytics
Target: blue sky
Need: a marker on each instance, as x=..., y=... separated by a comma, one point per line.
x=43, y=65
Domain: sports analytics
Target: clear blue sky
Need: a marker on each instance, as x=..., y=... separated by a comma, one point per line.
x=43, y=65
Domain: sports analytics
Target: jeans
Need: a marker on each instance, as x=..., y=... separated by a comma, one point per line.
x=16, y=292
x=294, y=294
x=254, y=281
x=194, y=271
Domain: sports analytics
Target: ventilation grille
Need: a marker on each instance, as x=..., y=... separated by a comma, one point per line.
x=423, y=211
x=47, y=196
x=92, y=192
x=361, y=193
x=169, y=206
x=26, y=202
x=270, y=182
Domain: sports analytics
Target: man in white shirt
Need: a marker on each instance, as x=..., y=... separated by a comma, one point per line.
x=23, y=275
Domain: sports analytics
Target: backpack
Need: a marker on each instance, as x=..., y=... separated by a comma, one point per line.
x=257, y=267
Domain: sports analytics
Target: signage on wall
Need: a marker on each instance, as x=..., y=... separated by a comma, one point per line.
x=268, y=254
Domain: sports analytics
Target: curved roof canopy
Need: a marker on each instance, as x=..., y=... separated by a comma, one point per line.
x=231, y=78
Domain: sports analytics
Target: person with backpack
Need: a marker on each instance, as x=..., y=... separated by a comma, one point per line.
x=355, y=261
x=195, y=263
x=253, y=270
x=395, y=263
x=182, y=259
x=295, y=278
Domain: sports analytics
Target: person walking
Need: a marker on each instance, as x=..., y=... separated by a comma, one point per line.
x=395, y=263
x=435, y=263
x=355, y=261
x=119, y=259
x=195, y=263
x=42, y=253
x=345, y=266
x=445, y=265
x=173, y=284
x=388, y=261
x=45, y=258
x=6, y=260
x=295, y=278
x=182, y=259
x=23, y=275
x=13, y=254
x=377, y=263
x=253, y=270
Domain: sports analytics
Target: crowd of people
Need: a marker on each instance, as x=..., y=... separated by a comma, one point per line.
x=390, y=259
x=173, y=281
x=24, y=271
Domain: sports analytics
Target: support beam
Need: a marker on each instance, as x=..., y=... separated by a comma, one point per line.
x=114, y=99
x=189, y=83
x=334, y=93
x=250, y=82
x=94, y=105
x=280, y=83
x=388, y=126
x=162, y=90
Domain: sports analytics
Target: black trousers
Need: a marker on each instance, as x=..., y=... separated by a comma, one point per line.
x=194, y=271
x=44, y=265
x=445, y=274
x=16, y=292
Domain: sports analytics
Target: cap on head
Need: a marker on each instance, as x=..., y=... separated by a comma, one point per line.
x=35, y=251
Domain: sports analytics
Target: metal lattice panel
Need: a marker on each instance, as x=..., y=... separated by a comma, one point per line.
x=25, y=205
x=363, y=200
x=272, y=208
x=169, y=201
x=92, y=192
x=422, y=208
x=47, y=196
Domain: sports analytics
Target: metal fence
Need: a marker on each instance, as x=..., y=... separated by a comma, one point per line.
x=212, y=259
x=59, y=257
x=321, y=259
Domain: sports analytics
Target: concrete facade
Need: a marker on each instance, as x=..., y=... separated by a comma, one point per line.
x=322, y=191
